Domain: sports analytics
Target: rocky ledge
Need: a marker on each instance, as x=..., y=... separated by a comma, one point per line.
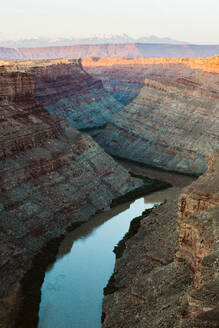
x=168, y=273
x=51, y=176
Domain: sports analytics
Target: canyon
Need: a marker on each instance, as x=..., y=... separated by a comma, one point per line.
x=173, y=122
x=51, y=177
x=159, y=112
x=129, y=50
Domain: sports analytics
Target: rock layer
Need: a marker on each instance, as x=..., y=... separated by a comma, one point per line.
x=65, y=90
x=172, y=124
x=124, y=78
x=198, y=225
x=168, y=273
x=50, y=177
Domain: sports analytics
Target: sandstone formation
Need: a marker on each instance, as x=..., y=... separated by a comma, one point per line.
x=124, y=78
x=168, y=273
x=206, y=64
x=198, y=225
x=130, y=50
x=50, y=177
x=172, y=124
x=66, y=91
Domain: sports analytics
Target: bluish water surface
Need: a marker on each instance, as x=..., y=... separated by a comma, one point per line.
x=72, y=291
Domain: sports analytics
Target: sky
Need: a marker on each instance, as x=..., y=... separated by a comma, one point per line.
x=194, y=21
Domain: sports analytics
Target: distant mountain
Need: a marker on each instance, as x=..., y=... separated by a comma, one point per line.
x=99, y=39
x=156, y=39
x=128, y=50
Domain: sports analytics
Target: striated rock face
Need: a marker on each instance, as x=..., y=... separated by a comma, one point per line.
x=123, y=81
x=168, y=273
x=130, y=50
x=50, y=177
x=172, y=124
x=124, y=78
x=198, y=224
x=66, y=91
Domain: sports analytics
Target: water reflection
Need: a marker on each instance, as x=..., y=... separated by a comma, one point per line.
x=73, y=287
x=88, y=227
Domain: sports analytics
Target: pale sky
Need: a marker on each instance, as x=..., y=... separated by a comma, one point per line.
x=186, y=20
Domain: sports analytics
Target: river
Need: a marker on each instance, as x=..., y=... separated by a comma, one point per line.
x=72, y=291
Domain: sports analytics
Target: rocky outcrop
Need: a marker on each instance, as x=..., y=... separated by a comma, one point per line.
x=130, y=50
x=198, y=225
x=168, y=273
x=51, y=176
x=172, y=124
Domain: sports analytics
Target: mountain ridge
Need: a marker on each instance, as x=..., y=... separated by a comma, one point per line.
x=128, y=50
x=96, y=39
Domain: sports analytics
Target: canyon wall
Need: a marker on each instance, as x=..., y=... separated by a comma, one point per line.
x=131, y=50
x=124, y=78
x=173, y=122
x=168, y=273
x=51, y=176
x=66, y=91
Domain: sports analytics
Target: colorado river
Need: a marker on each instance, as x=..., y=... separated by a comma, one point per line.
x=72, y=291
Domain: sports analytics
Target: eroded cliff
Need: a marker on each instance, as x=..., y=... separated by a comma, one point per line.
x=168, y=273
x=65, y=90
x=51, y=176
x=198, y=225
x=124, y=78
x=172, y=124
